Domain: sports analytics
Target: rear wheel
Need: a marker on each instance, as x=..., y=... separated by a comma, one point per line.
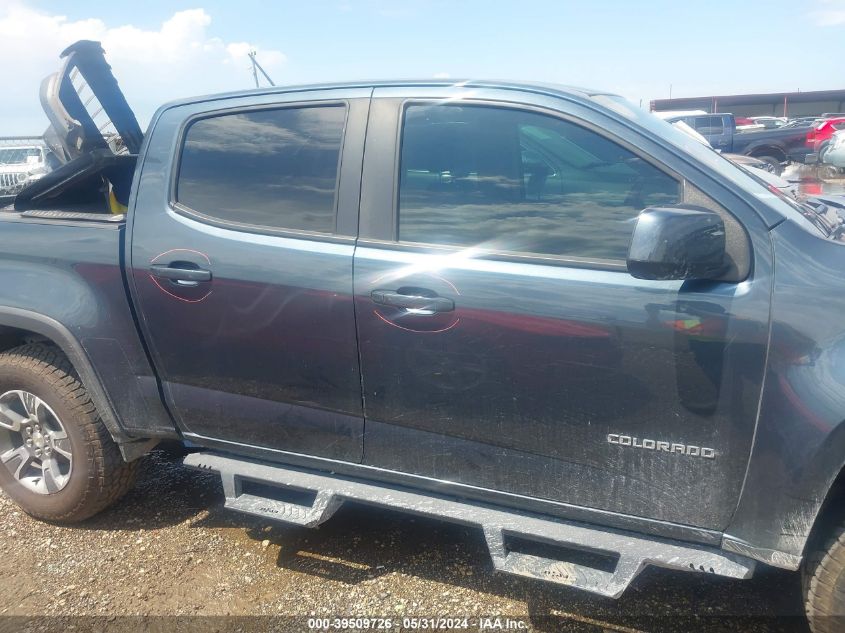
x=824, y=585
x=774, y=164
x=58, y=461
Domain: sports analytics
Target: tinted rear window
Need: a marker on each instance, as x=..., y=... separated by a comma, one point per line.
x=268, y=168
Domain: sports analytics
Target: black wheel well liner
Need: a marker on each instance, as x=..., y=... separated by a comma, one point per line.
x=767, y=150
x=18, y=326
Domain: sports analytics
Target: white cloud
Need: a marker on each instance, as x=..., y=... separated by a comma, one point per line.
x=179, y=59
x=830, y=13
x=442, y=75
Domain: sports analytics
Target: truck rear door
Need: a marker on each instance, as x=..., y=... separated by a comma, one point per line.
x=242, y=240
x=716, y=128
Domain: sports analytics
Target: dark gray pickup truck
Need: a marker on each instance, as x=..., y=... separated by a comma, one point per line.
x=775, y=146
x=533, y=309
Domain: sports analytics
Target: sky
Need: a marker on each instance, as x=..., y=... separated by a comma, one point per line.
x=163, y=50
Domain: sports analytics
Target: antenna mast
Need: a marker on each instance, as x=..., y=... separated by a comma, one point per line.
x=257, y=67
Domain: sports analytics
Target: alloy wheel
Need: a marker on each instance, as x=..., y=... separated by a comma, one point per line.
x=34, y=445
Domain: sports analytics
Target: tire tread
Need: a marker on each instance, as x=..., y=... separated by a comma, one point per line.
x=110, y=477
x=824, y=584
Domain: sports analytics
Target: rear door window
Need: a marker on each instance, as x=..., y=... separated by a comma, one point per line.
x=270, y=168
x=717, y=125
x=709, y=125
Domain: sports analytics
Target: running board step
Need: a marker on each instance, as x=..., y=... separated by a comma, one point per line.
x=629, y=553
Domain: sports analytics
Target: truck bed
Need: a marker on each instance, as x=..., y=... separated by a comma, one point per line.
x=68, y=269
x=792, y=140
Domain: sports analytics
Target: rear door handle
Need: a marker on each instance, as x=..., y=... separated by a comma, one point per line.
x=182, y=276
x=416, y=302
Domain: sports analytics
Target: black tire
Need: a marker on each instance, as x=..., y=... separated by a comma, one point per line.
x=822, y=151
x=99, y=476
x=829, y=171
x=824, y=585
x=777, y=168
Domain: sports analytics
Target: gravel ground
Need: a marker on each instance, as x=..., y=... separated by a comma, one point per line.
x=170, y=549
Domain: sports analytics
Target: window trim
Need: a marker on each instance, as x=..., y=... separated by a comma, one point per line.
x=259, y=229
x=571, y=261
x=591, y=263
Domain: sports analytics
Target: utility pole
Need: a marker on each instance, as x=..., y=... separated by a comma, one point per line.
x=257, y=67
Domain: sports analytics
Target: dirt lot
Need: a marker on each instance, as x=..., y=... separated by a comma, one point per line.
x=170, y=549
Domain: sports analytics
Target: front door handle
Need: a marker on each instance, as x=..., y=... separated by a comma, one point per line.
x=182, y=276
x=415, y=300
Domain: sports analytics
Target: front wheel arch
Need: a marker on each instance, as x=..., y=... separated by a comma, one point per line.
x=831, y=513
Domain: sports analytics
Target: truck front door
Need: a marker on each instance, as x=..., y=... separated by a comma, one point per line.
x=504, y=345
x=241, y=263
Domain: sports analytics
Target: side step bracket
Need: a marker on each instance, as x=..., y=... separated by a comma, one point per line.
x=325, y=504
x=629, y=552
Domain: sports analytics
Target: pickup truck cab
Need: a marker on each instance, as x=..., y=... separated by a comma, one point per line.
x=533, y=309
x=776, y=145
x=718, y=129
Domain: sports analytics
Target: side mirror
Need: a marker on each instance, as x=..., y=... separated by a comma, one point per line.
x=678, y=243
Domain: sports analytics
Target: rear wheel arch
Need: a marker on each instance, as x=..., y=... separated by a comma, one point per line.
x=767, y=150
x=59, y=460
x=774, y=156
x=18, y=326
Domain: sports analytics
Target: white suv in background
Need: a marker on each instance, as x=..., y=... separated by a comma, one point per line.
x=21, y=165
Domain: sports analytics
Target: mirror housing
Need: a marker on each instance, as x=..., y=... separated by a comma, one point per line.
x=678, y=243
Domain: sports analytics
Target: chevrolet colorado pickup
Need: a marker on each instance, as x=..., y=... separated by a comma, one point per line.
x=533, y=309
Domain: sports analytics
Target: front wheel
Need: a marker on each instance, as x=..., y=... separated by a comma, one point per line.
x=824, y=585
x=829, y=171
x=823, y=151
x=58, y=461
